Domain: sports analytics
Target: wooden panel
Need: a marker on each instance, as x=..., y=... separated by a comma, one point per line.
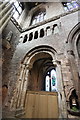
x=36, y=109
x=41, y=105
x=52, y=107
x=30, y=105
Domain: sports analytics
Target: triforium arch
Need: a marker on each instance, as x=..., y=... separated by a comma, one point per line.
x=34, y=67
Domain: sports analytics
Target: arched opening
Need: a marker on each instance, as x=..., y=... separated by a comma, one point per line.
x=55, y=29
x=42, y=33
x=42, y=64
x=36, y=35
x=25, y=38
x=40, y=58
x=48, y=31
x=30, y=36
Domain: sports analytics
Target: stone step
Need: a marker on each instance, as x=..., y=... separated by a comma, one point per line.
x=19, y=112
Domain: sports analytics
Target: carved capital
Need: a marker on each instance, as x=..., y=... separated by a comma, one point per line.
x=56, y=62
x=28, y=66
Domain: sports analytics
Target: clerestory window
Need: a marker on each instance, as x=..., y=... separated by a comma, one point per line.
x=68, y=6
x=38, y=16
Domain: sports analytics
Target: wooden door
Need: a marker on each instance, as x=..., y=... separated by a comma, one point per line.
x=41, y=105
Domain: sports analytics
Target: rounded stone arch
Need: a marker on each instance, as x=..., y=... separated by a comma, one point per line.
x=43, y=54
x=29, y=57
x=36, y=54
x=27, y=70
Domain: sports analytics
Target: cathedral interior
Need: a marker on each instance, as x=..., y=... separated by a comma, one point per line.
x=40, y=59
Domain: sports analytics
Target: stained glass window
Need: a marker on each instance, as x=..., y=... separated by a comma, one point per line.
x=51, y=81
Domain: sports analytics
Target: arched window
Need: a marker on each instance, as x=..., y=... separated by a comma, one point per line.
x=38, y=16
x=51, y=81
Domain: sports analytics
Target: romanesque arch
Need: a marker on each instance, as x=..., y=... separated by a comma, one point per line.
x=34, y=67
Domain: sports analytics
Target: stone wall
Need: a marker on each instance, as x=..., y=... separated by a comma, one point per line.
x=15, y=54
x=9, y=47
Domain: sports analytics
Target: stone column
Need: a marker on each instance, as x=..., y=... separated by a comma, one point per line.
x=4, y=25
x=2, y=5
x=5, y=10
x=21, y=80
x=5, y=16
x=17, y=91
x=39, y=33
x=26, y=79
x=67, y=77
x=60, y=90
x=21, y=88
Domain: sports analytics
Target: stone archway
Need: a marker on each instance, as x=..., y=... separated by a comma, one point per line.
x=36, y=63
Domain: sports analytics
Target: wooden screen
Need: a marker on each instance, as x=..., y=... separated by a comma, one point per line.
x=41, y=105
